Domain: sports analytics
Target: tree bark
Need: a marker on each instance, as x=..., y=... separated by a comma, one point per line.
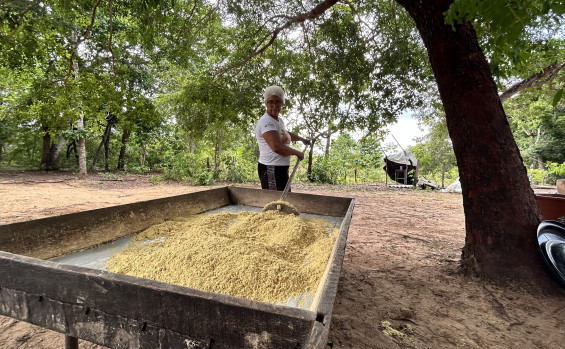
x=328, y=141
x=80, y=125
x=97, y=153
x=56, y=152
x=107, y=148
x=122, y=156
x=81, y=150
x=50, y=151
x=217, y=153
x=104, y=142
x=501, y=212
x=310, y=160
x=540, y=162
x=45, y=152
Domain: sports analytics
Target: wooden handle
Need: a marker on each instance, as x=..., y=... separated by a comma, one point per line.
x=287, y=186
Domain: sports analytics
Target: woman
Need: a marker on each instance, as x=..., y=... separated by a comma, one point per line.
x=273, y=140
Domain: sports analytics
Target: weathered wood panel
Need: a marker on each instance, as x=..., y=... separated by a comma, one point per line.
x=121, y=311
x=54, y=236
x=305, y=203
x=325, y=296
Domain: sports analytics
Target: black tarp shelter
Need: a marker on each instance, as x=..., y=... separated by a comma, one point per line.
x=402, y=167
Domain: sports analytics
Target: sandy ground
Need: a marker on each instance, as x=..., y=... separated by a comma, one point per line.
x=400, y=286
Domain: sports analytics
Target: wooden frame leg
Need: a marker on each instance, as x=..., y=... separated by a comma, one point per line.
x=71, y=342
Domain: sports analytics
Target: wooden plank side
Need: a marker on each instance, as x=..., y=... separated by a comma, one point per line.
x=106, y=329
x=306, y=203
x=325, y=296
x=108, y=308
x=54, y=236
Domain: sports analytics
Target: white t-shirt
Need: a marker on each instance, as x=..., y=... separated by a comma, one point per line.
x=266, y=155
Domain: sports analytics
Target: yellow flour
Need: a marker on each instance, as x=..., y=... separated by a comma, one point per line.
x=267, y=256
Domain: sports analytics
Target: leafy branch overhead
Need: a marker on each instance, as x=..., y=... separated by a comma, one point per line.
x=521, y=38
x=548, y=74
x=268, y=39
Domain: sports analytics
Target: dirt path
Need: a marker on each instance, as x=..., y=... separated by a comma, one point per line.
x=399, y=287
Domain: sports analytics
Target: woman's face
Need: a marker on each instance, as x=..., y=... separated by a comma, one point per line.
x=274, y=106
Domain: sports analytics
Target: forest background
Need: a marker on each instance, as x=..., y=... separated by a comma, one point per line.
x=173, y=88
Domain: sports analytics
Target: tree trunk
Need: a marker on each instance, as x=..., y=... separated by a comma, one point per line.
x=217, y=152
x=81, y=151
x=501, y=212
x=107, y=148
x=81, y=141
x=102, y=144
x=142, y=155
x=45, y=152
x=310, y=160
x=328, y=140
x=122, y=156
x=540, y=162
x=56, y=152
x=50, y=151
x=72, y=148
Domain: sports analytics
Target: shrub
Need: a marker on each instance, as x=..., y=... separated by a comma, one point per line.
x=322, y=172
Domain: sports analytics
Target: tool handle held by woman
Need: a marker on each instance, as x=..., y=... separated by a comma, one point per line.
x=287, y=186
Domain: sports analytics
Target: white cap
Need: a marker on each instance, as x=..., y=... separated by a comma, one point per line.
x=273, y=91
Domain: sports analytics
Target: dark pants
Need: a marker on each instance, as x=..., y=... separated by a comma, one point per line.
x=273, y=177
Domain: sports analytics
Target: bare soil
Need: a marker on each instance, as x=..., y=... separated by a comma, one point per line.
x=400, y=284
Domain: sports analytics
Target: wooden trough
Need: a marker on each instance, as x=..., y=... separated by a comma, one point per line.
x=552, y=206
x=120, y=311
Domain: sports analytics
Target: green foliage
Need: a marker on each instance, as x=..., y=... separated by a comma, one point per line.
x=347, y=157
x=204, y=177
x=181, y=166
x=111, y=176
x=539, y=128
x=507, y=19
x=322, y=172
x=537, y=176
x=520, y=38
x=23, y=148
x=550, y=175
x=240, y=166
x=556, y=170
x=557, y=97
x=156, y=179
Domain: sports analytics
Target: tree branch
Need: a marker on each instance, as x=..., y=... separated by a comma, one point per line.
x=27, y=9
x=81, y=40
x=200, y=20
x=547, y=74
x=270, y=37
x=310, y=54
x=111, y=33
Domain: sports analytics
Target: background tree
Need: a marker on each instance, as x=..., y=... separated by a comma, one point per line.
x=538, y=128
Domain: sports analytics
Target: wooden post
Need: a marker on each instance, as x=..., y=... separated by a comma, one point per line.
x=71, y=342
x=417, y=172
x=406, y=175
